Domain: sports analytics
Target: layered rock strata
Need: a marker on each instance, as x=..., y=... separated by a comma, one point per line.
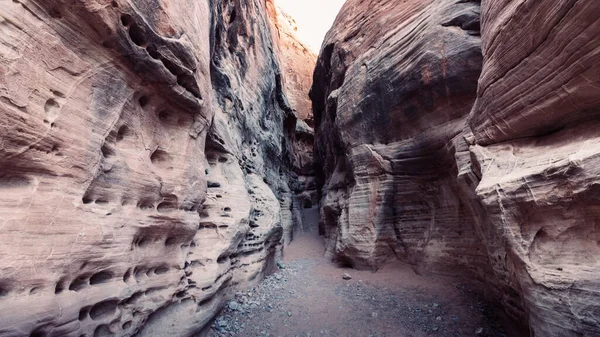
x=465, y=154
x=145, y=161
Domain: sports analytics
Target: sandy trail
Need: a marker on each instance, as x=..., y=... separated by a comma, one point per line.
x=309, y=297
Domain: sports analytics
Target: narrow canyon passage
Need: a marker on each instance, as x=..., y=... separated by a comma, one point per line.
x=309, y=296
x=182, y=168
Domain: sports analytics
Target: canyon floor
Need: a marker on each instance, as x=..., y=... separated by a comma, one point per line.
x=308, y=296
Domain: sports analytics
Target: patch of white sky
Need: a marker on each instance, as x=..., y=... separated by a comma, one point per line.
x=313, y=17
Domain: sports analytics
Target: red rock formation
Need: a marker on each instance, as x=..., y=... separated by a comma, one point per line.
x=387, y=102
x=490, y=176
x=144, y=163
x=535, y=126
x=296, y=58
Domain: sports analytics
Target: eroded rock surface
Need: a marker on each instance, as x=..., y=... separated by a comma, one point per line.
x=145, y=157
x=534, y=160
x=387, y=103
x=463, y=160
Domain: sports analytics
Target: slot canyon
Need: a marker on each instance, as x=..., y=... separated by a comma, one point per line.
x=193, y=168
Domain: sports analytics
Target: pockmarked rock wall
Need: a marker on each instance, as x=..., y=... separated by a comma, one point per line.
x=467, y=154
x=145, y=158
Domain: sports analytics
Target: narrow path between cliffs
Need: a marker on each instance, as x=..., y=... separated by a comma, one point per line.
x=309, y=296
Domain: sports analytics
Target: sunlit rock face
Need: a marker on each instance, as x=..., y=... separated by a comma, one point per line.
x=145, y=156
x=464, y=154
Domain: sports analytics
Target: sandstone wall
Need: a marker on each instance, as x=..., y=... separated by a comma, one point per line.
x=145, y=156
x=392, y=88
x=534, y=153
x=467, y=155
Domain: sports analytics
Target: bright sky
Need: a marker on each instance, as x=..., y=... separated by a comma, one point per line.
x=314, y=18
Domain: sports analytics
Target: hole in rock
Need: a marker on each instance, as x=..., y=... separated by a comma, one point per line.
x=163, y=115
x=145, y=205
x=213, y=184
x=126, y=19
x=58, y=93
x=108, y=44
x=144, y=100
x=83, y=313
x=103, y=331
x=123, y=132
x=101, y=277
x=171, y=241
x=189, y=83
x=127, y=275
x=160, y=156
x=161, y=270
x=223, y=258
x=307, y=203
x=227, y=209
x=137, y=35
x=126, y=325
x=78, y=284
x=166, y=206
x=107, y=151
x=139, y=273
x=103, y=309
x=114, y=4
x=51, y=108
x=59, y=288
